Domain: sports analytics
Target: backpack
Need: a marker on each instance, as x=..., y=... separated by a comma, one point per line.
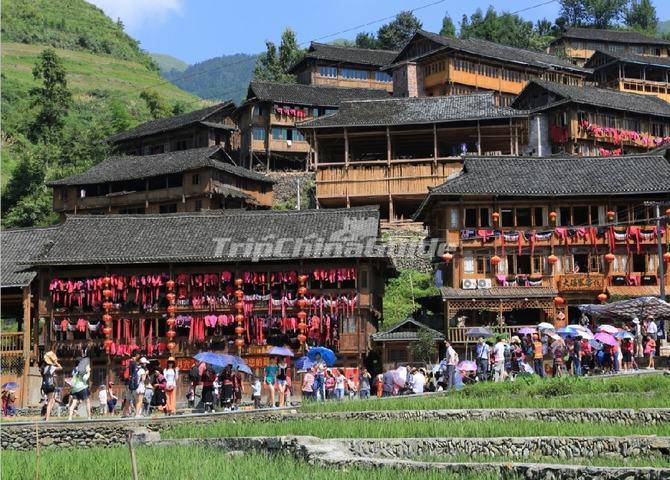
x=133, y=380
x=194, y=373
x=48, y=382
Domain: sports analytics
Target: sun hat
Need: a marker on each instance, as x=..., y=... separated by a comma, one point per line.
x=515, y=339
x=171, y=359
x=636, y=320
x=144, y=360
x=50, y=358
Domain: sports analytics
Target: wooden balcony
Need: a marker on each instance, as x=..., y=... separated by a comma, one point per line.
x=11, y=343
x=457, y=334
x=645, y=87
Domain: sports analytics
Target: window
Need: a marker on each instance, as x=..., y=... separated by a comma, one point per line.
x=484, y=218
x=523, y=217
x=258, y=111
x=168, y=208
x=195, y=179
x=315, y=112
x=482, y=264
x=328, y=71
x=537, y=264
x=258, y=133
x=538, y=219
x=298, y=136
x=279, y=133
x=594, y=215
x=181, y=145
x=639, y=262
x=354, y=74
x=471, y=217
x=175, y=180
x=622, y=213
x=564, y=216
x=507, y=217
x=132, y=211
x=468, y=263
x=63, y=194
x=397, y=356
x=382, y=77
x=523, y=264
x=198, y=205
x=580, y=216
x=328, y=111
x=657, y=129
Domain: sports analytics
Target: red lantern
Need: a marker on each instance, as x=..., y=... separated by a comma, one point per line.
x=170, y=284
x=302, y=327
x=239, y=318
x=239, y=294
x=609, y=258
x=171, y=322
x=108, y=344
x=171, y=346
x=239, y=306
x=558, y=301
x=553, y=216
x=667, y=212
x=239, y=330
x=302, y=291
x=602, y=297
x=106, y=318
x=171, y=309
x=447, y=257
x=495, y=260
x=302, y=279
x=302, y=338
x=239, y=282
x=666, y=257
x=239, y=342
x=107, y=306
x=171, y=334
x=170, y=297
x=107, y=330
x=495, y=216
x=107, y=293
x=611, y=215
x=302, y=315
x=552, y=259
x=106, y=281
x=302, y=303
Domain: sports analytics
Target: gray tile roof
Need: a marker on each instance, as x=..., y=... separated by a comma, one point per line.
x=620, y=36
x=450, y=293
x=651, y=60
x=405, y=331
x=293, y=93
x=415, y=110
x=19, y=245
x=499, y=52
x=346, y=55
x=194, y=237
x=134, y=167
x=598, y=97
x=171, y=123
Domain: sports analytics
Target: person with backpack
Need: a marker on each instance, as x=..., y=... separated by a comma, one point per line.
x=129, y=377
x=51, y=366
x=79, y=390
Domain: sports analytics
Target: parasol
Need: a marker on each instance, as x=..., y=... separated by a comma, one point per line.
x=606, y=338
x=281, y=352
x=215, y=359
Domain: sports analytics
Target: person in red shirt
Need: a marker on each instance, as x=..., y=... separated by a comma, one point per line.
x=207, y=380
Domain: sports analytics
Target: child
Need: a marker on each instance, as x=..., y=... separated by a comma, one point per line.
x=190, y=396
x=102, y=398
x=256, y=392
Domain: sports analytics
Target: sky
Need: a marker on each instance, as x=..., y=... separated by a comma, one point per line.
x=196, y=30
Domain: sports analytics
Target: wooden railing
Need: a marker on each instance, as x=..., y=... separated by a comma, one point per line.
x=457, y=334
x=11, y=343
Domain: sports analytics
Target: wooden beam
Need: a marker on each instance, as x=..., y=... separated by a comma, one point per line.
x=511, y=140
x=26, y=345
x=316, y=150
x=388, y=145
x=479, y=139
x=346, y=148
x=435, y=142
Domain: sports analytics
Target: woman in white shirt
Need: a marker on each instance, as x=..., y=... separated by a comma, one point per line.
x=139, y=391
x=171, y=373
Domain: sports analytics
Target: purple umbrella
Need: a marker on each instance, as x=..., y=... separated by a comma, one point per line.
x=606, y=338
x=10, y=386
x=468, y=366
x=281, y=352
x=527, y=330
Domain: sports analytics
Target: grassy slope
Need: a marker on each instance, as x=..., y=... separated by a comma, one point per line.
x=169, y=63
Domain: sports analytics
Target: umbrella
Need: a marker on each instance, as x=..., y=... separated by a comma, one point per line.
x=569, y=331
x=640, y=307
x=608, y=329
x=624, y=335
x=606, y=338
x=281, y=352
x=545, y=326
x=477, y=332
x=580, y=327
x=586, y=334
x=553, y=335
x=327, y=355
x=595, y=344
x=400, y=376
x=304, y=363
x=468, y=366
x=10, y=386
x=527, y=368
x=527, y=330
x=83, y=364
x=215, y=359
x=242, y=366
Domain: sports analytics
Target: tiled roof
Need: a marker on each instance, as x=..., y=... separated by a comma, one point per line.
x=19, y=245
x=620, y=36
x=556, y=176
x=626, y=58
x=171, y=123
x=635, y=291
x=599, y=97
x=207, y=237
x=415, y=110
x=347, y=55
x=499, y=52
x=449, y=293
x=134, y=167
x=294, y=93
x=405, y=331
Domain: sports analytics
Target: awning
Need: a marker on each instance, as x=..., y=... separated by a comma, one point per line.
x=634, y=291
x=450, y=293
x=642, y=307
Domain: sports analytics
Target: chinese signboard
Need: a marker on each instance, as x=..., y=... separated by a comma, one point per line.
x=582, y=282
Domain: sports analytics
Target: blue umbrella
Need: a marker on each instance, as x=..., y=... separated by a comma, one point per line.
x=10, y=386
x=624, y=335
x=327, y=355
x=215, y=359
x=569, y=331
x=303, y=363
x=281, y=352
x=242, y=366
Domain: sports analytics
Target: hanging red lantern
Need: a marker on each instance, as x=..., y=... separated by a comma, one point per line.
x=611, y=215
x=495, y=216
x=239, y=306
x=107, y=306
x=107, y=293
x=239, y=294
x=552, y=259
x=171, y=322
x=108, y=343
x=302, y=291
x=239, y=318
x=666, y=257
x=447, y=257
x=302, y=327
x=667, y=212
x=495, y=260
x=602, y=297
x=302, y=279
x=171, y=309
x=553, y=216
x=106, y=281
x=170, y=284
x=558, y=301
x=302, y=338
x=171, y=334
x=302, y=303
x=302, y=315
x=239, y=342
x=609, y=258
x=170, y=297
x=239, y=330
x=171, y=346
x=107, y=330
x=239, y=282
x=106, y=318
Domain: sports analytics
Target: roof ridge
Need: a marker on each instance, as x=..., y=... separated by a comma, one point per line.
x=26, y=229
x=423, y=99
x=354, y=48
x=314, y=87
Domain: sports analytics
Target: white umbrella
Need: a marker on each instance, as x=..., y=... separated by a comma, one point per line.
x=400, y=376
x=608, y=329
x=545, y=326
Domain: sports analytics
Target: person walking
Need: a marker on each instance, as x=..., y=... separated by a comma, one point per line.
x=499, y=373
x=256, y=388
x=111, y=398
x=79, y=391
x=171, y=374
x=451, y=360
x=270, y=380
x=340, y=381
x=102, y=400
x=130, y=379
x=51, y=366
x=538, y=356
x=364, y=380
x=650, y=351
x=482, y=352
x=140, y=383
x=307, y=388
x=282, y=371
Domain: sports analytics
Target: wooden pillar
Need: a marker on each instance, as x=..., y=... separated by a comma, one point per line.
x=26, y=345
x=346, y=149
x=479, y=139
x=388, y=146
x=316, y=150
x=511, y=140
x=500, y=313
x=391, y=213
x=435, y=142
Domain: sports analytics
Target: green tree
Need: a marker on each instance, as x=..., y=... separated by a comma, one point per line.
x=504, y=28
x=394, y=35
x=448, y=28
x=424, y=348
x=592, y=13
x=289, y=51
x=401, y=294
x=641, y=16
x=366, y=40
x=178, y=108
x=344, y=42
x=273, y=64
x=157, y=106
x=120, y=119
x=572, y=13
x=52, y=98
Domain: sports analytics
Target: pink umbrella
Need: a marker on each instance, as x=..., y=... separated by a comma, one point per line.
x=468, y=366
x=527, y=330
x=608, y=329
x=606, y=338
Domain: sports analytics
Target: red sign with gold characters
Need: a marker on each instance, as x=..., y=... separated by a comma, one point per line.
x=582, y=282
